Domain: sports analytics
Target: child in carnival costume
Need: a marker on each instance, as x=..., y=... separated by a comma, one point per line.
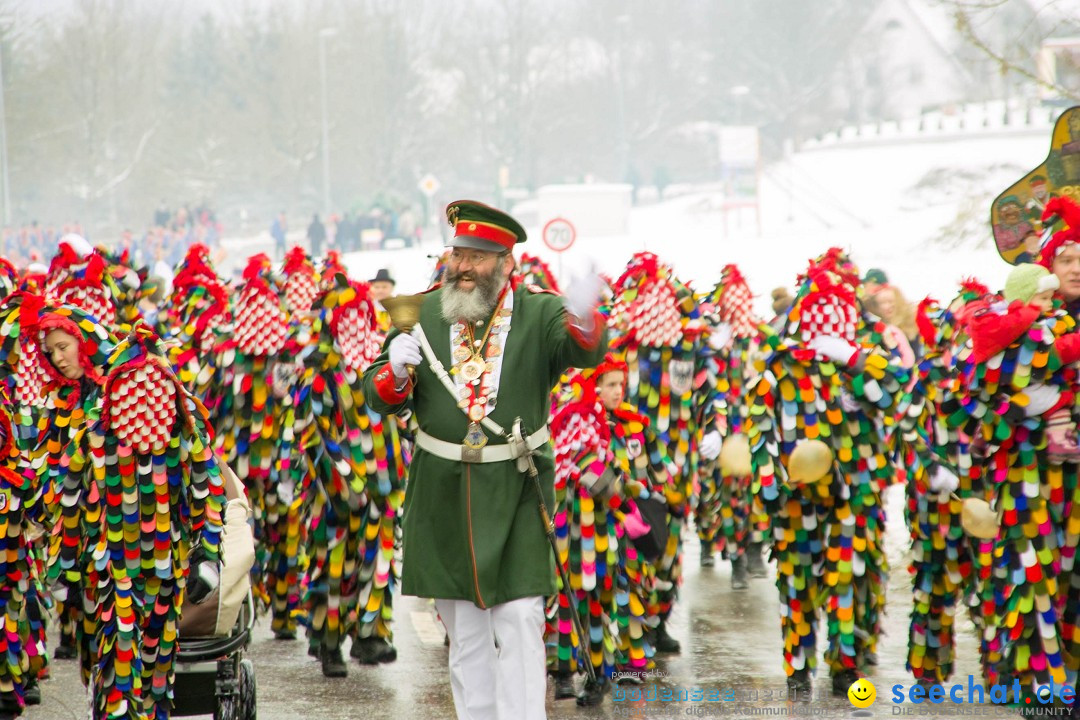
x=606, y=460
x=940, y=476
x=351, y=466
x=534, y=271
x=1017, y=386
x=82, y=282
x=813, y=436
x=23, y=382
x=726, y=512
x=196, y=311
x=22, y=651
x=301, y=281
x=70, y=402
x=142, y=459
x=659, y=333
x=248, y=424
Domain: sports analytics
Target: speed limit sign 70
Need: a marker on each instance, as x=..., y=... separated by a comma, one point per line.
x=559, y=234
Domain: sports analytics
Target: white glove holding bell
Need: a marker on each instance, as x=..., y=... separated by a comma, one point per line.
x=1040, y=398
x=832, y=348
x=943, y=480
x=404, y=350
x=710, y=445
x=582, y=295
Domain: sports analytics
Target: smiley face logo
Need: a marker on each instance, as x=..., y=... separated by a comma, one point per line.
x=862, y=693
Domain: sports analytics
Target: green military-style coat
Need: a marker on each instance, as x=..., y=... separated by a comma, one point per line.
x=472, y=531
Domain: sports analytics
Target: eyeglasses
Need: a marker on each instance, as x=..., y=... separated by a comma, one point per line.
x=476, y=258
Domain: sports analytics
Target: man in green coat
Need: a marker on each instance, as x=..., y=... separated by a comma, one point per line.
x=486, y=355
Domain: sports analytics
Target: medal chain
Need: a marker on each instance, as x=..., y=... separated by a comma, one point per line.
x=477, y=365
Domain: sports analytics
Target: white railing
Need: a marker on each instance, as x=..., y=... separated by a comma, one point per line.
x=966, y=119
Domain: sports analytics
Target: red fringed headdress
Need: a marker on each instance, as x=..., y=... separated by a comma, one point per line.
x=1069, y=212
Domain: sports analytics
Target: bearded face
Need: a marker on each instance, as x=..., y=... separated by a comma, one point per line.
x=471, y=282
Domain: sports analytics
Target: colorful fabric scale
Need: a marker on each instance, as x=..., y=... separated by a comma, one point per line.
x=349, y=469
x=660, y=335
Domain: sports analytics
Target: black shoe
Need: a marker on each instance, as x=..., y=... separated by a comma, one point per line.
x=66, y=650
x=842, y=680
x=32, y=693
x=313, y=647
x=285, y=634
x=9, y=705
x=373, y=650
x=927, y=685
x=707, y=559
x=755, y=563
x=593, y=693
x=870, y=658
x=664, y=642
x=564, y=687
x=739, y=580
x=333, y=665
x=799, y=682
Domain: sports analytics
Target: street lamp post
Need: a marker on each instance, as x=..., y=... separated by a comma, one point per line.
x=3, y=144
x=323, y=35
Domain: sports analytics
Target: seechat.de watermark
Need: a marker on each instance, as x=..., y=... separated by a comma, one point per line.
x=974, y=693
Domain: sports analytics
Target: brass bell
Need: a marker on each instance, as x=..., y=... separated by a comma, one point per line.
x=404, y=310
x=735, y=456
x=810, y=461
x=979, y=519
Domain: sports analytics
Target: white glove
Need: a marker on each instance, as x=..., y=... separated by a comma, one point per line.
x=836, y=349
x=404, y=350
x=1040, y=398
x=710, y=445
x=582, y=295
x=943, y=480
x=720, y=336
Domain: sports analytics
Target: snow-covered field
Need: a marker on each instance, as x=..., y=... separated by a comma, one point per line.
x=918, y=210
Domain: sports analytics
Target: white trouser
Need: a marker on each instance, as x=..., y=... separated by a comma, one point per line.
x=497, y=662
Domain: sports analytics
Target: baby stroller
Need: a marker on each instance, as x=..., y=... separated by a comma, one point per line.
x=212, y=674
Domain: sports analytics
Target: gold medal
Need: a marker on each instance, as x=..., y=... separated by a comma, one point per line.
x=472, y=370
x=476, y=413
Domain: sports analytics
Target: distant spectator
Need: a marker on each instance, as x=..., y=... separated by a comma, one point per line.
x=277, y=231
x=316, y=235
x=162, y=215
x=343, y=237
x=902, y=336
x=382, y=285
x=872, y=280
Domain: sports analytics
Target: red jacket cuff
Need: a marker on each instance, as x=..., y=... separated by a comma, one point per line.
x=590, y=340
x=385, y=382
x=1068, y=348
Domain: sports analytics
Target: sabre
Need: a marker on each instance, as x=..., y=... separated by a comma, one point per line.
x=527, y=465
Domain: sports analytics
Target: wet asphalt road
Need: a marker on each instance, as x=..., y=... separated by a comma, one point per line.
x=730, y=640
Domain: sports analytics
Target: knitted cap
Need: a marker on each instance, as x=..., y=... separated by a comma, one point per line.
x=1027, y=280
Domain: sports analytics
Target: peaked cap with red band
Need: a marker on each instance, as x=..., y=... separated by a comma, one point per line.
x=482, y=227
x=1069, y=212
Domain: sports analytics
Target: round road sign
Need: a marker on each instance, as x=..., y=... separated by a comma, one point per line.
x=559, y=234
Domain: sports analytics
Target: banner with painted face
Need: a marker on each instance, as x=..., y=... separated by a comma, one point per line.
x=1016, y=213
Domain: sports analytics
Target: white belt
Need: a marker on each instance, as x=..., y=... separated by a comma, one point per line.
x=490, y=453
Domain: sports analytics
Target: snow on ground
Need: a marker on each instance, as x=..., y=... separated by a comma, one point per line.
x=918, y=210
